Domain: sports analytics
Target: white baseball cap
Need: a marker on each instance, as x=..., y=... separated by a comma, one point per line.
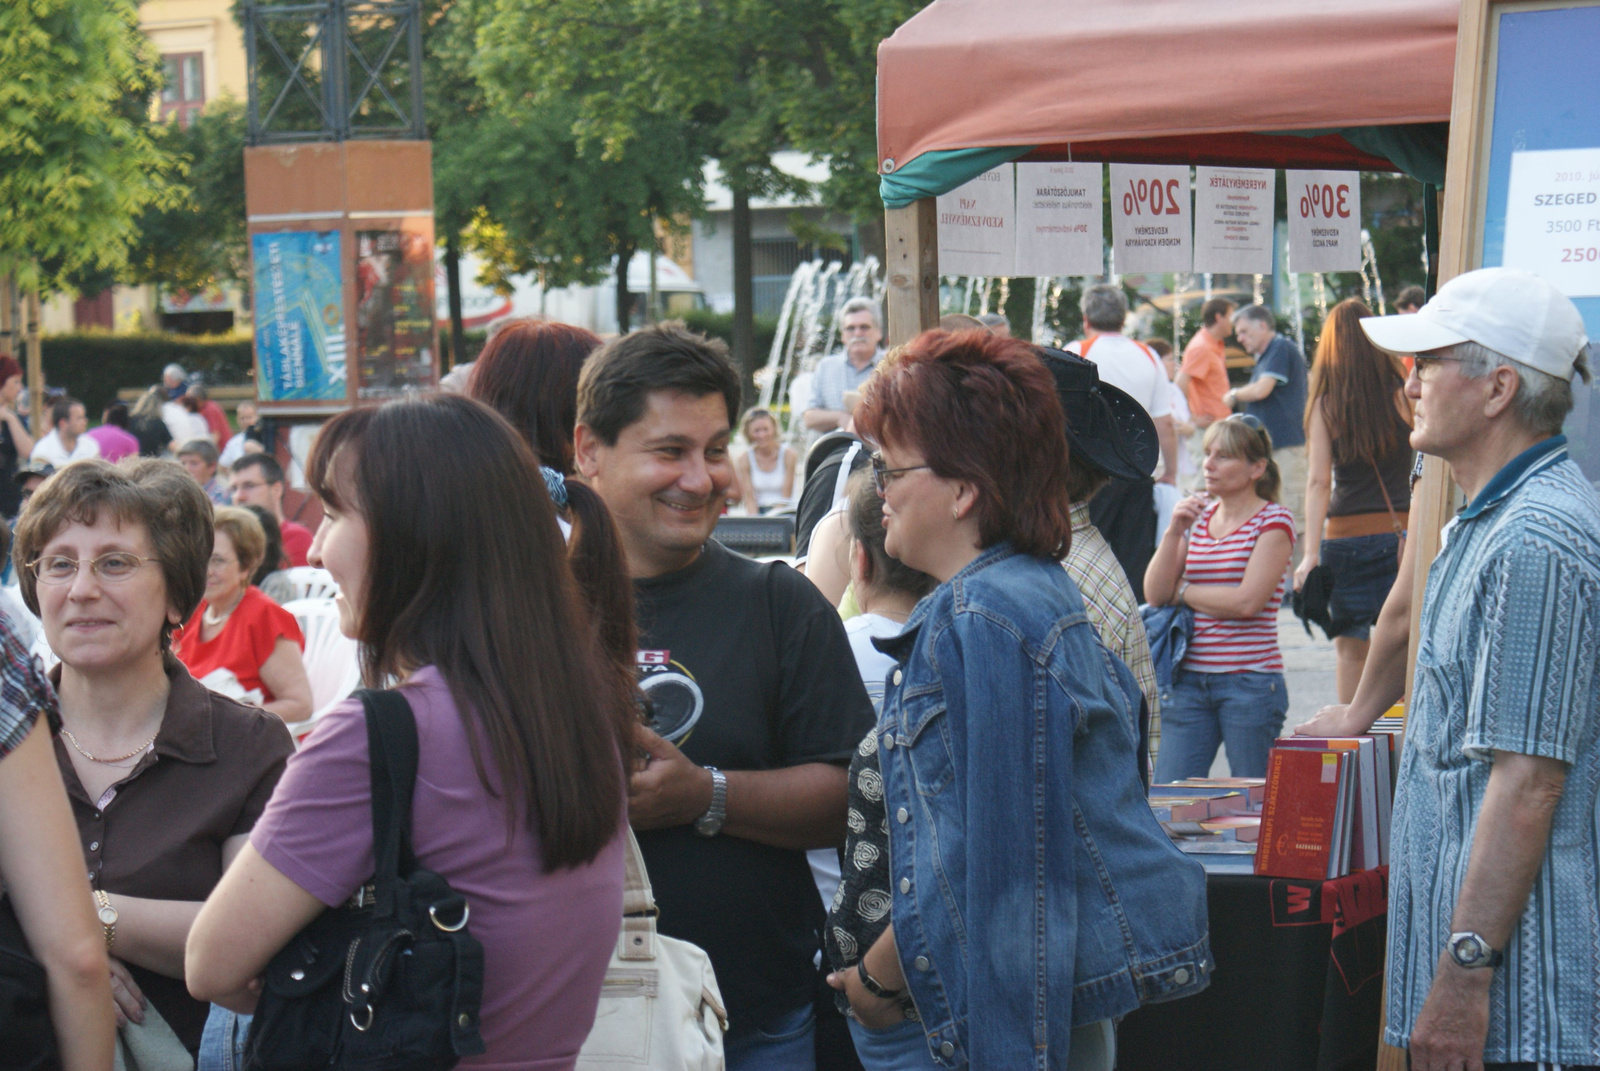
x=1510, y=311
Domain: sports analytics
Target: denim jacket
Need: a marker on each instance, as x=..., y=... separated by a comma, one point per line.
x=1033, y=889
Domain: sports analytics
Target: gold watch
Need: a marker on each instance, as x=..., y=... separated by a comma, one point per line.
x=108, y=916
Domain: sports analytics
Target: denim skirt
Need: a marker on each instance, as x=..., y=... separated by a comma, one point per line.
x=1364, y=569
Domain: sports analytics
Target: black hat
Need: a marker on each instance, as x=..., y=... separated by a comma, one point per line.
x=33, y=468
x=1105, y=426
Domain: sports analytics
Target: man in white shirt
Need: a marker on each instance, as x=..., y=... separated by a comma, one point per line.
x=842, y=373
x=66, y=442
x=1124, y=510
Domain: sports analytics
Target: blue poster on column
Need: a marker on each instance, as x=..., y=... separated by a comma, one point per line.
x=299, y=299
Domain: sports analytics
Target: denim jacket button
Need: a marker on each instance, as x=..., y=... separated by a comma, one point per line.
x=921, y=963
x=1181, y=975
x=902, y=816
x=905, y=885
x=888, y=741
x=897, y=676
x=947, y=1049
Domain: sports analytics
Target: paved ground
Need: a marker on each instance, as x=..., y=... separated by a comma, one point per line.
x=1308, y=673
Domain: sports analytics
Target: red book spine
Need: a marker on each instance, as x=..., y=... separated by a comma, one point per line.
x=1298, y=817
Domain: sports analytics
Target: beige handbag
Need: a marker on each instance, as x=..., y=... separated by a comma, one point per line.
x=660, y=1008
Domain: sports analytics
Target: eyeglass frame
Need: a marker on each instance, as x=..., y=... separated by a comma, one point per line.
x=880, y=482
x=1418, y=359
x=94, y=567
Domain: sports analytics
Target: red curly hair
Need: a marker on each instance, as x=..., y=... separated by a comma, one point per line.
x=984, y=410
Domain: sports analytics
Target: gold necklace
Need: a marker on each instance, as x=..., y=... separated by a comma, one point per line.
x=73, y=740
x=210, y=616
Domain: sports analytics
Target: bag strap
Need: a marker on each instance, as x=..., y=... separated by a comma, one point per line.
x=638, y=938
x=1394, y=519
x=392, y=746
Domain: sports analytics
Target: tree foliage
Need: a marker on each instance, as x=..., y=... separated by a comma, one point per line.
x=78, y=163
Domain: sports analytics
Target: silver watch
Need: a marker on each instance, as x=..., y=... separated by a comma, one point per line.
x=710, y=823
x=1471, y=951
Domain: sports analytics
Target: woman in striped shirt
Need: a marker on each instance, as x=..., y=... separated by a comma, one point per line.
x=1225, y=556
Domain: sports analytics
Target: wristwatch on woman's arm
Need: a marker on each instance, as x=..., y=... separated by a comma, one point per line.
x=108, y=916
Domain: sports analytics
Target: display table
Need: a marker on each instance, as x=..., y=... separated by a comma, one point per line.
x=1298, y=983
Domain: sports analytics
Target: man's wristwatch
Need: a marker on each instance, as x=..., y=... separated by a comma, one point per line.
x=1471, y=951
x=710, y=823
x=108, y=916
x=872, y=985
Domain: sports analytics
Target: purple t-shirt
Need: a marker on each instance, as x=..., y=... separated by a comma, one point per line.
x=115, y=444
x=547, y=938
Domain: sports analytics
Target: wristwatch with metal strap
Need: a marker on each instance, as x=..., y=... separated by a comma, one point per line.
x=108, y=916
x=710, y=823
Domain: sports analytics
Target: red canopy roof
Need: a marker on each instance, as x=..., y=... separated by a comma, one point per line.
x=1208, y=77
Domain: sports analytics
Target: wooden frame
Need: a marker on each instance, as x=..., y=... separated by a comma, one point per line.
x=911, y=268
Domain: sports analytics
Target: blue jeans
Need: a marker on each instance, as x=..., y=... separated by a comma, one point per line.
x=786, y=1042
x=902, y=1047
x=222, y=1044
x=1243, y=710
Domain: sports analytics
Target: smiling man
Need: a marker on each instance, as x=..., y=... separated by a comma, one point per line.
x=750, y=682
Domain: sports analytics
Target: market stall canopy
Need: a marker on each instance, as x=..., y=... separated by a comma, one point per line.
x=968, y=84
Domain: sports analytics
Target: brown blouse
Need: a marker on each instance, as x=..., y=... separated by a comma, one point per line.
x=159, y=836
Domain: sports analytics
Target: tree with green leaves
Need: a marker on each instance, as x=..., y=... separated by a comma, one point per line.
x=78, y=163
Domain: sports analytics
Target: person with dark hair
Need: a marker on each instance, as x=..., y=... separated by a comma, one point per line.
x=15, y=441
x=1225, y=556
x=529, y=372
x=1410, y=299
x=112, y=436
x=749, y=728
x=1006, y=740
x=1203, y=376
x=269, y=574
x=147, y=425
x=208, y=409
x=165, y=778
x=454, y=581
x=257, y=480
x=1358, y=429
x=1276, y=396
x=66, y=442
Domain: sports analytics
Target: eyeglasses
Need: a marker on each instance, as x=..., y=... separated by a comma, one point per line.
x=882, y=476
x=110, y=568
x=1421, y=364
x=219, y=562
x=247, y=486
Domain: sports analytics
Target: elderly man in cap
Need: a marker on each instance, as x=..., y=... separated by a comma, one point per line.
x=1494, y=897
x=1109, y=435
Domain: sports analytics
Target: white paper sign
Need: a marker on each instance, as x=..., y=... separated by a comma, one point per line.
x=1151, y=227
x=1324, y=220
x=977, y=226
x=1059, y=229
x=1233, y=219
x=1553, y=218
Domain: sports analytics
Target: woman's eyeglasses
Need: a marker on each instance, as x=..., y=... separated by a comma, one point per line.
x=108, y=568
x=883, y=476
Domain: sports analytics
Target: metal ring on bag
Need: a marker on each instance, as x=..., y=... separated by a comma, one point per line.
x=363, y=1027
x=466, y=910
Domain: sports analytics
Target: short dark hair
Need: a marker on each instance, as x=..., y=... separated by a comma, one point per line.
x=271, y=471
x=619, y=378
x=1215, y=309
x=529, y=372
x=866, y=528
x=1412, y=297
x=62, y=410
x=116, y=415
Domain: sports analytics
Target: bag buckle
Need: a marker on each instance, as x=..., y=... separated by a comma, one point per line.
x=363, y=1027
x=433, y=915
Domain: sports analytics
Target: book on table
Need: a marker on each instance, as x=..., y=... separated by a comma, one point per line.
x=1369, y=830
x=1244, y=828
x=1306, y=819
x=1194, y=808
x=1252, y=788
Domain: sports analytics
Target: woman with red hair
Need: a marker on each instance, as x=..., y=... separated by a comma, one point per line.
x=1007, y=741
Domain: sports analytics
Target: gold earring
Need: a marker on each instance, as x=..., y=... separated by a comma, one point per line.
x=955, y=513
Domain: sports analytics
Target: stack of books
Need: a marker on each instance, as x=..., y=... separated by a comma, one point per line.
x=1213, y=817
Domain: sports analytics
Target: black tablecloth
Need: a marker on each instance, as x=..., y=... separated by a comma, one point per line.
x=1298, y=982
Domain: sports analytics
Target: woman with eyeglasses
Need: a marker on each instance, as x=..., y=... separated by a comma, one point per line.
x=238, y=641
x=1019, y=836
x=1225, y=556
x=165, y=778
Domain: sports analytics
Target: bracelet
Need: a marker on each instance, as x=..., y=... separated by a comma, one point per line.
x=872, y=985
x=107, y=915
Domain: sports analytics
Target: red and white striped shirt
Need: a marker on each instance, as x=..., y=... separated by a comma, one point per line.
x=1240, y=644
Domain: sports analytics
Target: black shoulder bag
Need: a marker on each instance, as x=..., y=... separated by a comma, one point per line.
x=392, y=980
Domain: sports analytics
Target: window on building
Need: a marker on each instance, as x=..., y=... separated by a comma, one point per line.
x=184, y=93
x=774, y=260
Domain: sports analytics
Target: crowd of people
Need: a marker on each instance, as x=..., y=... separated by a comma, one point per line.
x=896, y=794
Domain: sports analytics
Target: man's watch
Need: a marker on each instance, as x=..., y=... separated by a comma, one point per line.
x=710, y=823
x=108, y=916
x=1471, y=951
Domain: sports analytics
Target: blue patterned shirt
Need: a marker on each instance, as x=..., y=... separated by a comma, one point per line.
x=1509, y=660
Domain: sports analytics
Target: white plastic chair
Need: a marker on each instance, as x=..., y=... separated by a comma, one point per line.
x=331, y=658
x=309, y=582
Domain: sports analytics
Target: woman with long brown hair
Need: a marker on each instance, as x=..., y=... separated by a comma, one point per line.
x=1358, y=490
x=455, y=581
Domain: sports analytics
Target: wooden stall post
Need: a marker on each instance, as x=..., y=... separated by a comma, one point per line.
x=35, y=364
x=912, y=269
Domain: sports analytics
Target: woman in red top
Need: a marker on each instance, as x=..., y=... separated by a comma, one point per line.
x=239, y=631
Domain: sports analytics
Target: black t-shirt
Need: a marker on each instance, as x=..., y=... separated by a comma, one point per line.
x=758, y=650
x=10, y=493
